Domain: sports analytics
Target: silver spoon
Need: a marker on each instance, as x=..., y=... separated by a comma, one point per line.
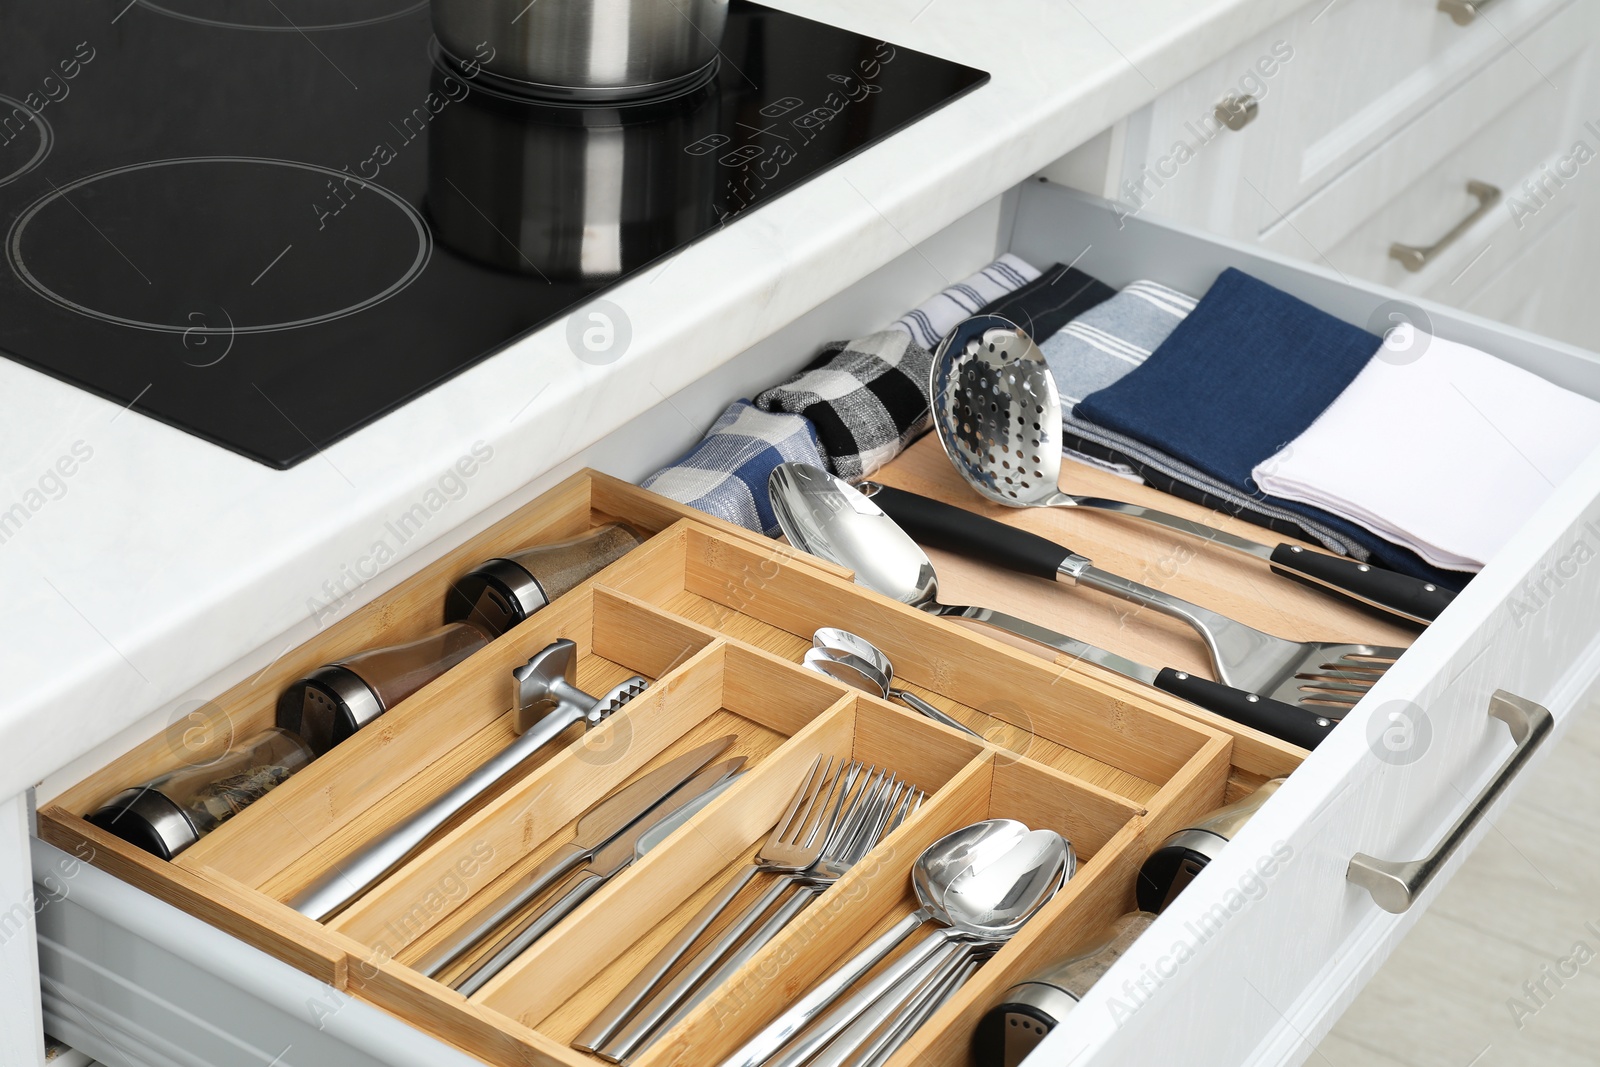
x=982, y=882
x=867, y=676
x=998, y=416
x=825, y=516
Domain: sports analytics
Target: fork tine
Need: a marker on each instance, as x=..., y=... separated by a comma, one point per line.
x=816, y=813
x=807, y=795
x=826, y=820
x=847, y=821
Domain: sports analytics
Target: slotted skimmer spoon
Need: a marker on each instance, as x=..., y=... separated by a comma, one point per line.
x=998, y=416
x=1324, y=676
x=825, y=516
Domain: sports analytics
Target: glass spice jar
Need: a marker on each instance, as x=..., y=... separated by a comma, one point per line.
x=166, y=815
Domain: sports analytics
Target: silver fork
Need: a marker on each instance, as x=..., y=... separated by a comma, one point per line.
x=795, y=843
x=885, y=804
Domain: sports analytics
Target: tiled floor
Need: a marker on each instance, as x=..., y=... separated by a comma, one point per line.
x=1504, y=969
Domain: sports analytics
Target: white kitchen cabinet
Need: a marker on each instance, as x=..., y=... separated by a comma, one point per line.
x=123, y=972
x=1375, y=122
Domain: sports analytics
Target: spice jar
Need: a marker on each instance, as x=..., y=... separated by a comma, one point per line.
x=168, y=814
x=499, y=593
x=337, y=699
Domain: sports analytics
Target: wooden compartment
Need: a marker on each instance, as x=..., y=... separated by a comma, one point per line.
x=718, y=619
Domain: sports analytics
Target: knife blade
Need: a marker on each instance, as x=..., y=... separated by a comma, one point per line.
x=657, y=826
x=684, y=803
x=595, y=828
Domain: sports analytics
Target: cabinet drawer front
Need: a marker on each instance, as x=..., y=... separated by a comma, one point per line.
x=1365, y=68
x=1500, y=128
x=1243, y=967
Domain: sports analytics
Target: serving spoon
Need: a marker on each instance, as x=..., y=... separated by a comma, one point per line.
x=823, y=515
x=998, y=415
x=987, y=896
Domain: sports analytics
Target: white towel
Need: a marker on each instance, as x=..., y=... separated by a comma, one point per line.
x=1446, y=453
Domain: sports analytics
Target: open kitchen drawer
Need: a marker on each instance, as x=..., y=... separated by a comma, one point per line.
x=717, y=619
x=1241, y=969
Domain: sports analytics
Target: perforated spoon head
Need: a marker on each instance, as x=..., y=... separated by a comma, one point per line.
x=997, y=412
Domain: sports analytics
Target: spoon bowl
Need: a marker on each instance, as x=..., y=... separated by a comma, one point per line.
x=980, y=891
x=871, y=673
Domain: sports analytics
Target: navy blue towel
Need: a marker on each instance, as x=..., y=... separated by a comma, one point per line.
x=1246, y=372
x=1243, y=375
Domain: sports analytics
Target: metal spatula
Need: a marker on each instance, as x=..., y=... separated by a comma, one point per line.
x=1325, y=677
x=998, y=416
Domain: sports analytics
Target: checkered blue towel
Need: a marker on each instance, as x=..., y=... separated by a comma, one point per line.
x=726, y=473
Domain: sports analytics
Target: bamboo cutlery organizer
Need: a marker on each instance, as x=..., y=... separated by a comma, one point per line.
x=718, y=619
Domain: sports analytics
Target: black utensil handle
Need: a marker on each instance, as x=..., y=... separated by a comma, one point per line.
x=1286, y=722
x=1399, y=593
x=953, y=529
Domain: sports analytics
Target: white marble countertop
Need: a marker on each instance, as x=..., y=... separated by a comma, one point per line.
x=162, y=560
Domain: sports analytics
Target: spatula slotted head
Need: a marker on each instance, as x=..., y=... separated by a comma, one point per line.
x=996, y=411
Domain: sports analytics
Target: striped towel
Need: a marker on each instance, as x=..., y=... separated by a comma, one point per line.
x=726, y=473
x=929, y=322
x=1109, y=341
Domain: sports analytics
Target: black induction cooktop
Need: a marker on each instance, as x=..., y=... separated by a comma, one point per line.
x=269, y=222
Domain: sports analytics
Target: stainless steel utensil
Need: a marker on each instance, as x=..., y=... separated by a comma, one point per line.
x=585, y=50
x=795, y=843
x=631, y=845
x=596, y=828
x=875, y=675
x=1326, y=677
x=998, y=416
x=881, y=804
x=987, y=897
x=548, y=702
x=869, y=1042
x=823, y=515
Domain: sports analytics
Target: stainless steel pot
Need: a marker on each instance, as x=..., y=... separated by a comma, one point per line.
x=586, y=49
x=568, y=193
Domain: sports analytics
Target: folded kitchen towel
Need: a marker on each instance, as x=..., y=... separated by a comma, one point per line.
x=1108, y=342
x=1445, y=452
x=1053, y=299
x=1244, y=374
x=726, y=473
x=868, y=398
x=930, y=321
x=1100, y=347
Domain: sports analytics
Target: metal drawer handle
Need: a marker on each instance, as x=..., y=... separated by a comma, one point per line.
x=1414, y=257
x=1396, y=886
x=1463, y=12
x=1236, y=112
